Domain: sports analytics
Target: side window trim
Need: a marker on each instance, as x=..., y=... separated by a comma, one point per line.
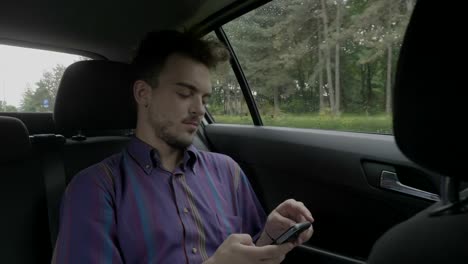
x=244, y=85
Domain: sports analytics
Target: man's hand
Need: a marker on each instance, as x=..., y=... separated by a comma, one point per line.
x=239, y=248
x=283, y=217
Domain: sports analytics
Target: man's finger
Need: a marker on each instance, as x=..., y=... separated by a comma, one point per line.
x=293, y=209
x=302, y=218
x=284, y=222
x=304, y=236
x=285, y=248
x=243, y=239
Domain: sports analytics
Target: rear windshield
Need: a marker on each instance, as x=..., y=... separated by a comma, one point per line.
x=29, y=78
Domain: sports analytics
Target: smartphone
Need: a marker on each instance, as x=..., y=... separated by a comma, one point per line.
x=292, y=233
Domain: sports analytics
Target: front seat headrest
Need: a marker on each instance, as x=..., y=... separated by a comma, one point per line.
x=14, y=139
x=429, y=106
x=95, y=95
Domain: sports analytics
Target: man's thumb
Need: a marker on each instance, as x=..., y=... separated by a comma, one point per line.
x=244, y=239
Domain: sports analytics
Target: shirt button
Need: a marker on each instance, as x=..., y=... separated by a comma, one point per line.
x=194, y=250
x=148, y=167
x=185, y=210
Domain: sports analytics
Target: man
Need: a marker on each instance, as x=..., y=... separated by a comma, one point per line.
x=161, y=200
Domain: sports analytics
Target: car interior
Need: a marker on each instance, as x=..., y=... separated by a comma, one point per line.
x=376, y=198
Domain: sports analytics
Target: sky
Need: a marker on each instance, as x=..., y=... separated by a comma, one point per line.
x=20, y=67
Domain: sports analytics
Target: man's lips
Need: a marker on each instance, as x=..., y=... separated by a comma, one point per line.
x=192, y=123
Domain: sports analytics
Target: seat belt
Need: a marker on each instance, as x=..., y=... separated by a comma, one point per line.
x=54, y=177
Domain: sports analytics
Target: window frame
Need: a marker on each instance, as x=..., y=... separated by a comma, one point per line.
x=215, y=24
x=241, y=79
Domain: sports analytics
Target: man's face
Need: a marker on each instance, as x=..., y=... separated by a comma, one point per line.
x=177, y=105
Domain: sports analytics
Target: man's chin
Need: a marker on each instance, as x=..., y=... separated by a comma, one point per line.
x=181, y=143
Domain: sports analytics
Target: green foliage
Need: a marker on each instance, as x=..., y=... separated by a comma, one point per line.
x=381, y=124
x=41, y=98
x=7, y=108
x=283, y=49
x=229, y=119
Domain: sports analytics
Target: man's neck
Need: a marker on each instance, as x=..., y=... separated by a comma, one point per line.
x=170, y=156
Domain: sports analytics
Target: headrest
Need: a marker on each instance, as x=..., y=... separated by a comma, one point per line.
x=95, y=95
x=37, y=123
x=429, y=106
x=14, y=139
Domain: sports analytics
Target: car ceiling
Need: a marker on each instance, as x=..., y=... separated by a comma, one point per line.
x=106, y=28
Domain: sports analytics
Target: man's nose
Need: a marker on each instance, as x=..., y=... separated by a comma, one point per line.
x=197, y=107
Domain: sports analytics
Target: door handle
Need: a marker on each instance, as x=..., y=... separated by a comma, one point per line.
x=389, y=180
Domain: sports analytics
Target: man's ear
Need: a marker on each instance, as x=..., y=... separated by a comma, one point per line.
x=142, y=93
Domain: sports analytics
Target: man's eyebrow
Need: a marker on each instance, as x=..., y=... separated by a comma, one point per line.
x=187, y=85
x=191, y=87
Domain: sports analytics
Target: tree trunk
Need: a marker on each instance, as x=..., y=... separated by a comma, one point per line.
x=388, y=103
x=242, y=106
x=321, y=90
x=276, y=101
x=388, y=90
x=409, y=6
x=337, y=59
x=331, y=93
x=363, y=78
x=369, y=87
x=225, y=101
x=363, y=88
x=320, y=62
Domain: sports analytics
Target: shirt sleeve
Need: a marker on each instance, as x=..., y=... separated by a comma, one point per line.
x=87, y=229
x=252, y=213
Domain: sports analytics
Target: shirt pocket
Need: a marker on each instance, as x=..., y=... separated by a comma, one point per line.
x=229, y=224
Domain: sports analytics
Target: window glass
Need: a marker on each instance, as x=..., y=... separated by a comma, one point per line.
x=326, y=64
x=29, y=78
x=227, y=103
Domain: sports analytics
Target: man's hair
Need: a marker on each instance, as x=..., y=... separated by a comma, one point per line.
x=157, y=46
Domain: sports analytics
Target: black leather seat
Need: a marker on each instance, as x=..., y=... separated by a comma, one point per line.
x=24, y=223
x=429, y=109
x=96, y=113
x=94, y=109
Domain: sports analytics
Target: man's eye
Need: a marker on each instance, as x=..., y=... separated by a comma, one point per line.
x=184, y=95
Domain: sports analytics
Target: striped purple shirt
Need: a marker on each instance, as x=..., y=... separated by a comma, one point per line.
x=128, y=209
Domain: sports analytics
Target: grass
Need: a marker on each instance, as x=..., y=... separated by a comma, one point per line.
x=381, y=124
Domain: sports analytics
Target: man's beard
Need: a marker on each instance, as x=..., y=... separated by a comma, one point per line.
x=163, y=132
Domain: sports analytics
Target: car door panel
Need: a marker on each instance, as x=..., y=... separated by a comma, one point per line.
x=333, y=173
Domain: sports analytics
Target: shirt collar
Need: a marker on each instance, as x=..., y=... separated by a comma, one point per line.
x=147, y=157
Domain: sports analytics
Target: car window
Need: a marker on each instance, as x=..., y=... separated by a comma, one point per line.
x=227, y=103
x=321, y=63
x=29, y=78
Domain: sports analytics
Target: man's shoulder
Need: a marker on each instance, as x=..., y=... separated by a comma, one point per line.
x=217, y=159
x=100, y=173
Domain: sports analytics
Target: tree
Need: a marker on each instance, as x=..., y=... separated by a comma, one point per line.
x=337, y=57
x=308, y=56
x=4, y=107
x=42, y=97
x=320, y=68
x=378, y=27
x=331, y=90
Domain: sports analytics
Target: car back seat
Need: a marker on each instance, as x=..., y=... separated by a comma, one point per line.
x=24, y=223
x=95, y=110
x=94, y=117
